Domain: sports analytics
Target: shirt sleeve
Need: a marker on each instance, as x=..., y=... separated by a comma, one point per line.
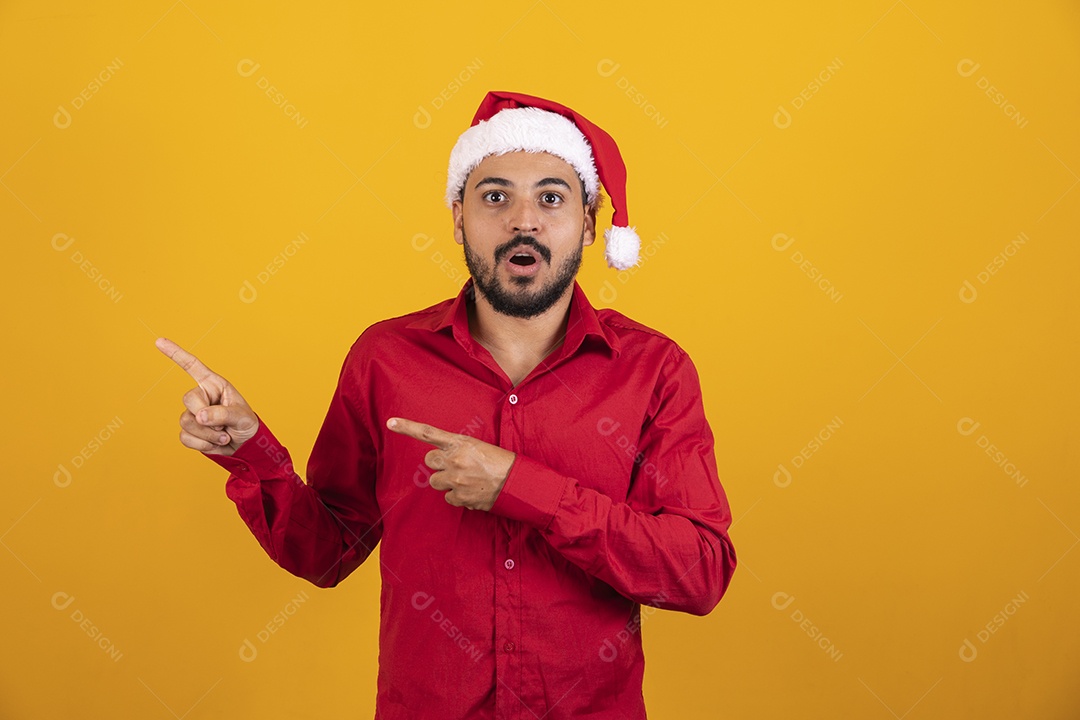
x=324, y=529
x=667, y=545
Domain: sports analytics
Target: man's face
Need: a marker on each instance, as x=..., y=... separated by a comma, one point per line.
x=523, y=225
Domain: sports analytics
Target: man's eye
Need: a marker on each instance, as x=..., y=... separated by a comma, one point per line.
x=551, y=198
x=494, y=196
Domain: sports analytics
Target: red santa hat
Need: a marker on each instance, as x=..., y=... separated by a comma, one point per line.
x=509, y=122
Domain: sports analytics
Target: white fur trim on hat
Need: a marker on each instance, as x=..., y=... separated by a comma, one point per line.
x=529, y=129
x=621, y=247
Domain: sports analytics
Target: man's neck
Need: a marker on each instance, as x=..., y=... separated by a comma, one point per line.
x=519, y=339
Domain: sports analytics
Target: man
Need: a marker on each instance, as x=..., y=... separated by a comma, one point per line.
x=535, y=469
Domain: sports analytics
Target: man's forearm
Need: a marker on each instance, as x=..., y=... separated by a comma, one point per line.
x=294, y=525
x=679, y=558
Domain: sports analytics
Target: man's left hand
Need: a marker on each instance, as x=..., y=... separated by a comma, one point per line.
x=470, y=470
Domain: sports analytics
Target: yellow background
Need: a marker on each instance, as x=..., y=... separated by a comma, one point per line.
x=894, y=175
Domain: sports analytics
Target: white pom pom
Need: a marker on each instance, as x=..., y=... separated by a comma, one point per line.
x=622, y=246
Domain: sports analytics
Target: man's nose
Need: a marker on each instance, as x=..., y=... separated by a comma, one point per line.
x=524, y=217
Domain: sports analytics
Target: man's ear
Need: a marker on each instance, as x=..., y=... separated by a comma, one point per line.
x=459, y=222
x=590, y=223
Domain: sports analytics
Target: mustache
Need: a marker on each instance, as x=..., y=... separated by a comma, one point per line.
x=517, y=241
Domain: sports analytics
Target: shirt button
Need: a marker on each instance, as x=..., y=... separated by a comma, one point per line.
x=512, y=399
x=509, y=564
x=508, y=647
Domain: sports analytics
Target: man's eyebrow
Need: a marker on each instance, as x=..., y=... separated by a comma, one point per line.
x=553, y=181
x=503, y=182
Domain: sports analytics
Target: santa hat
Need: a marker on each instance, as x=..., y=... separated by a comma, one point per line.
x=508, y=122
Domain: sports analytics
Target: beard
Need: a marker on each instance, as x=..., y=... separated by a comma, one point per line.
x=521, y=300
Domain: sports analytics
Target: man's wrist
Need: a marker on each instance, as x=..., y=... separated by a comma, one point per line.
x=260, y=456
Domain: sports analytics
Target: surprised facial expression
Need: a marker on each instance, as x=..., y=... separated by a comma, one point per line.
x=523, y=223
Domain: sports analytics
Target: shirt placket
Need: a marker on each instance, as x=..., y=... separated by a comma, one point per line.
x=510, y=695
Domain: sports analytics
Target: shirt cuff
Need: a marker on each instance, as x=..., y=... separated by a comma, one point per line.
x=531, y=493
x=260, y=457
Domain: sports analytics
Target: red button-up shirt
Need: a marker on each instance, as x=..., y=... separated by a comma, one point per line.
x=532, y=609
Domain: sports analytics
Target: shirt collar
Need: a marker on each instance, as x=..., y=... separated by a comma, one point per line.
x=584, y=322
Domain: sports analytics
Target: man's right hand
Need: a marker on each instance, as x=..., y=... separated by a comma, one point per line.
x=216, y=419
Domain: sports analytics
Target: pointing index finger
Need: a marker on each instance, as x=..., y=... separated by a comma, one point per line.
x=423, y=432
x=190, y=364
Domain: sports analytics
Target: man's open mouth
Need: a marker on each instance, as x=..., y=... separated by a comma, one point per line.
x=524, y=256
